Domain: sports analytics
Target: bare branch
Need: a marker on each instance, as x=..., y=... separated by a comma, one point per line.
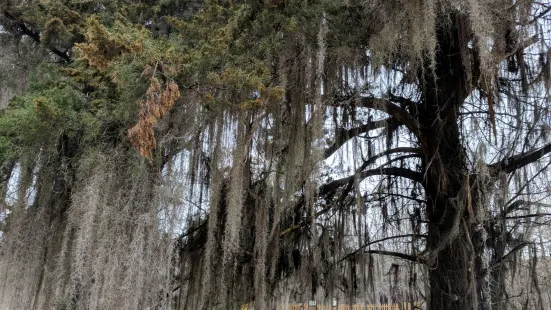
x=516, y=217
x=374, y=158
x=399, y=255
x=517, y=205
x=513, y=163
x=508, y=255
x=329, y=188
x=391, y=171
x=343, y=135
x=392, y=109
x=378, y=241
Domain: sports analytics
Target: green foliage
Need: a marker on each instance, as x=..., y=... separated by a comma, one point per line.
x=51, y=107
x=224, y=54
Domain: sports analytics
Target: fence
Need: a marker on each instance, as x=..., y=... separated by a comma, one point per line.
x=398, y=306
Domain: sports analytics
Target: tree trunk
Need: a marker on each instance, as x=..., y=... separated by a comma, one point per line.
x=450, y=251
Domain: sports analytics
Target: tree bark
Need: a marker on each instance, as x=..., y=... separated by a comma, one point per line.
x=444, y=88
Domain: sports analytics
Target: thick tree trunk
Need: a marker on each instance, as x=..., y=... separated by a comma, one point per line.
x=449, y=209
x=451, y=255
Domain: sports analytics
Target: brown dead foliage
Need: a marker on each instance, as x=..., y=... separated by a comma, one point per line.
x=158, y=102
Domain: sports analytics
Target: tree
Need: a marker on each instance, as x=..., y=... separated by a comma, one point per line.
x=166, y=152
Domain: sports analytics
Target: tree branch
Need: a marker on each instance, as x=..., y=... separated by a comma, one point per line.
x=35, y=36
x=374, y=158
x=515, y=162
x=412, y=258
x=327, y=189
x=508, y=255
x=518, y=204
x=343, y=135
x=377, y=241
x=516, y=217
x=192, y=230
x=391, y=171
x=392, y=109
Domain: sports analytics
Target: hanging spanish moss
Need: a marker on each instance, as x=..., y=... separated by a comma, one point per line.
x=176, y=156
